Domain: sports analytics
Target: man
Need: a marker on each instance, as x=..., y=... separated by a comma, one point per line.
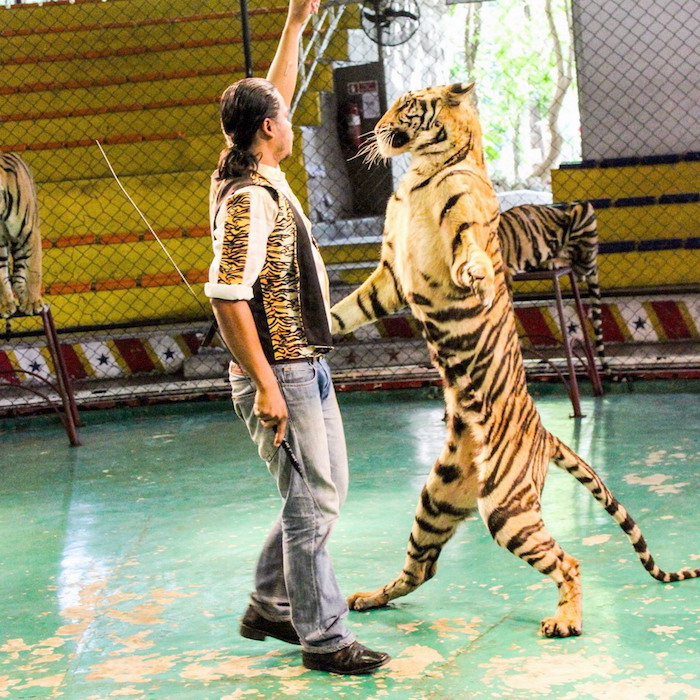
x=269, y=291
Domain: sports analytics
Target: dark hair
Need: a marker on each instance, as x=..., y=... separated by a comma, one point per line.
x=243, y=108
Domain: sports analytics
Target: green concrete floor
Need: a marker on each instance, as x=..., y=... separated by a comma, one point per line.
x=126, y=563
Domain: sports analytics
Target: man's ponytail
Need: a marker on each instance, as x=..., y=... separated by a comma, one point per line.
x=235, y=163
x=243, y=108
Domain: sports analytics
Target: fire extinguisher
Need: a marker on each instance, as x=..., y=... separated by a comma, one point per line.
x=353, y=119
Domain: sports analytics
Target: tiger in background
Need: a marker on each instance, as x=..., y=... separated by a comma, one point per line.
x=440, y=255
x=537, y=236
x=20, y=239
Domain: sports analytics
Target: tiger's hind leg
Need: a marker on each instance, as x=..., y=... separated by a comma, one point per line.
x=448, y=497
x=26, y=278
x=518, y=527
x=7, y=298
x=26, y=254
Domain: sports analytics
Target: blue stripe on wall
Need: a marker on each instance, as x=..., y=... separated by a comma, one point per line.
x=633, y=160
x=692, y=243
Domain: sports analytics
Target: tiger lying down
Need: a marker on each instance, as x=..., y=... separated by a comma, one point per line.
x=440, y=255
x=541, y=236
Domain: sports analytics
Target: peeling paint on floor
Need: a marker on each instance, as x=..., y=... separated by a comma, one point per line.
x=125, y=564
x=656, y=483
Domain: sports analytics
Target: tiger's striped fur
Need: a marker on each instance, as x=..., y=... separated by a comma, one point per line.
x=20, y=240
x=440, y=255
x=537, y=236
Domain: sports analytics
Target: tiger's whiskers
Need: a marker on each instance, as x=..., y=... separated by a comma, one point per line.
x=369, y=151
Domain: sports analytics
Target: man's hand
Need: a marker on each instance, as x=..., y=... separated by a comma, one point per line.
x=271, y=410
x=241, y=337
x=300, y=10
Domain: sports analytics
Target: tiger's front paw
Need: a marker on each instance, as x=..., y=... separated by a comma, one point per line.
x=561, y=626
x=555, y=263
x=30, y=304
x=7, y=305
x=365, y=601
x=32, y=308
x=477, y=274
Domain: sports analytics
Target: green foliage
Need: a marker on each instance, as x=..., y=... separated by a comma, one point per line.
x=516, y=74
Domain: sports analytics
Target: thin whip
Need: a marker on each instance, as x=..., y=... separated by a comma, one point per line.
x=285, y=445
x=150, y=228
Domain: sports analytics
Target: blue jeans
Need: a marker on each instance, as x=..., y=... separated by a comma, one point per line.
x=294, y=577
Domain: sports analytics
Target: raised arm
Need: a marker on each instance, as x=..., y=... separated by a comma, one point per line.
x=284, y=67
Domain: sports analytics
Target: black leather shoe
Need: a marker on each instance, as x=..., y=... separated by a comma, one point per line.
x=352, y=660
x=255, y=626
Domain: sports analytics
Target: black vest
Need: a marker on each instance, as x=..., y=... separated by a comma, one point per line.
x=313, y=309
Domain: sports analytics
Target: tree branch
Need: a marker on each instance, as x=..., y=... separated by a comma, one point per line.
x=564, y=79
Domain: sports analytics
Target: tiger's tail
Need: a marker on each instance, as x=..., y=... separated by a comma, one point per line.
x=583, y=232
x=567, y=459
x=596, y=302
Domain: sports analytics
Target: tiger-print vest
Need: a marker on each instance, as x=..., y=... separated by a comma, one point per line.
x=291, y=320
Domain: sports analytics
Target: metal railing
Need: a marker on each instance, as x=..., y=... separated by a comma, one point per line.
x=144, y=80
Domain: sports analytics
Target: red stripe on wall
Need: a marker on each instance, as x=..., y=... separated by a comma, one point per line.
x=192, y=341
x=670, y=317
x=611, y=331
x=535, y=326
x=73, y=364
x=135, y=355
x=7, y=371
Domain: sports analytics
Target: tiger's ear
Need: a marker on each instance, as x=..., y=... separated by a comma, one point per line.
x=457, y=92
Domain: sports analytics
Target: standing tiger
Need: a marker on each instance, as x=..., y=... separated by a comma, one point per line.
x=440, y=254
x=536, y=236
x=20, y=240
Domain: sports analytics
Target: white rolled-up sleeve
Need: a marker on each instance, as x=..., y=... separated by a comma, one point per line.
x=239, y=241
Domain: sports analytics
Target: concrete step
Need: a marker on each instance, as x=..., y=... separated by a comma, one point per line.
x=137, y=259
x=227, y=52
x=76, y=16
x=634, y=269
x=625, y=181
x=191, y=120
x=654, y=268
x=125, y=265
x=113, y=36
x=132, y=264
x=115, y=283
x=127, y=306
x=97, y=207
x=122, y=96
x=187, y=120
x=131, y=155
x=166, y=155
x=652, y=222
x=105, y=64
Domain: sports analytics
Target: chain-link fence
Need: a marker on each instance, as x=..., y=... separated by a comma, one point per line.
x=593, y=100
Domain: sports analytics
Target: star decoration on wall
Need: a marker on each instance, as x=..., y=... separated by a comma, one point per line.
x=640, y=323
x=103, y=359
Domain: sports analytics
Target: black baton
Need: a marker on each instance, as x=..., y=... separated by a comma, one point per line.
x=292, y=457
